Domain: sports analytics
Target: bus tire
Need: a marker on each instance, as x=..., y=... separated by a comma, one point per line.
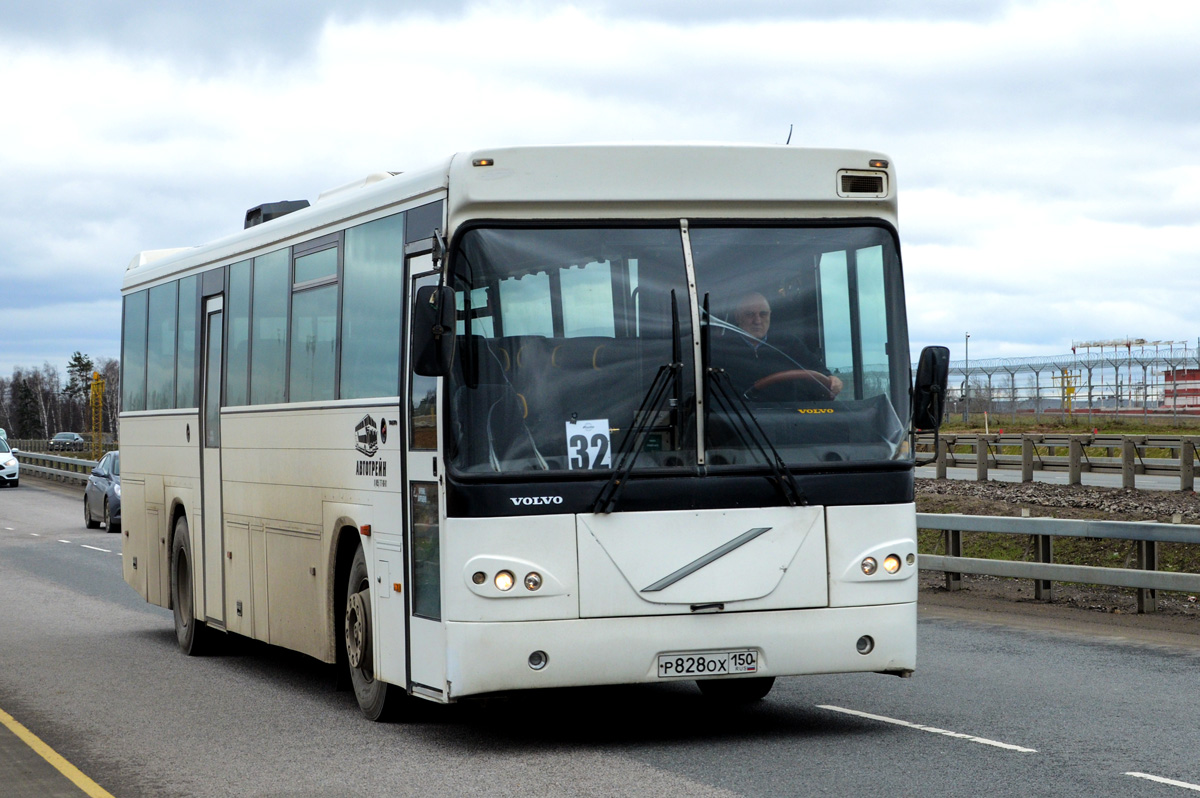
x=378, y=700
x=737, y=691
x=193, y=635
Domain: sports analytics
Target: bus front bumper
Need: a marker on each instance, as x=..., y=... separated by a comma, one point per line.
x=494, y=657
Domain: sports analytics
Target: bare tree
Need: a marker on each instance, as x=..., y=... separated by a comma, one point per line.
x=110, y=370
x=5, y=404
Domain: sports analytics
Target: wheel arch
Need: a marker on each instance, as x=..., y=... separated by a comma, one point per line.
x=346, y=541
x=178, y=510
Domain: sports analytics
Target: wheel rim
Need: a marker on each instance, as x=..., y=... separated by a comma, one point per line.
x=357, y=626
x=106, y=522
x=87, y=511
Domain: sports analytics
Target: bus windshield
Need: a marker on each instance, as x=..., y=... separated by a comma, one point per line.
x=571, y=338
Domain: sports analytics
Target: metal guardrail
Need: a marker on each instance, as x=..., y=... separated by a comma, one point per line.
x=1146, y=577
x=64, y=469
x=43, y=445
x=1031, y=452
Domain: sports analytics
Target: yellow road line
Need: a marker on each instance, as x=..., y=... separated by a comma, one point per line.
x=89, y=787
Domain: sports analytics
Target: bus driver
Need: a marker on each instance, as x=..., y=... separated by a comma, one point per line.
x=756, y=363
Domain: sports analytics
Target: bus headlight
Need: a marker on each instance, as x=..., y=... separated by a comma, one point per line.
x=891, y=563
x=869, y=566
x=533, y=580
x=504, y=581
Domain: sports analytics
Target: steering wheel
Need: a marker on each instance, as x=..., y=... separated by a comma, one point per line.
x=822, y=381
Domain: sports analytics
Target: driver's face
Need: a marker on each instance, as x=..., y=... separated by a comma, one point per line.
x=754, y=315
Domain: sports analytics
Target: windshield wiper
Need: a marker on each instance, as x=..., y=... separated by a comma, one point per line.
x=666, y=383
x=734, y=405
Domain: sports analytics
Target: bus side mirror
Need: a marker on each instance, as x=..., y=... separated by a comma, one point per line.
x=929, y=391
x=433, y=330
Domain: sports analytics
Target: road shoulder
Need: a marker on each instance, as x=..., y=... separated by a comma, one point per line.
x=981, y=604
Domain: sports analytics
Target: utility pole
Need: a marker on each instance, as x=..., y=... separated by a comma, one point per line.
x=97, y=416
x=966, y=377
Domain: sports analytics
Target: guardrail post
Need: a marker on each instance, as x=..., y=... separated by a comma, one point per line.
x=1187, y=465
x=1147, y=560
x=1128, y=455
x=942, y=448
x=981, y=458
x=1026, y=458
x=1074, y=462
x=1043, y=589
x=953, y=549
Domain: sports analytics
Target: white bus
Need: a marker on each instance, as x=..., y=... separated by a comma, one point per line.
x=538, y=417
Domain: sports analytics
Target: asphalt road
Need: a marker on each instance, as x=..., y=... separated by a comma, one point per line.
x=994, y=709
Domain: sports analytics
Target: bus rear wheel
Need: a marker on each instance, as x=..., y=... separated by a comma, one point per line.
x=737, y=691
x=378, y=700
x=194, y=636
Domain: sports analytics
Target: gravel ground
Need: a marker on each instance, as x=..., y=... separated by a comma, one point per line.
x=1176, y=612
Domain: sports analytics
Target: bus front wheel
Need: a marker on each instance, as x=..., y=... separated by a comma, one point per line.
x=378, y=700
x=194, y=636
x=737, y=691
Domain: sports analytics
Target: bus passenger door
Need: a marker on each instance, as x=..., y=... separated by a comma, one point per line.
x=427, y=635
x=209, y=544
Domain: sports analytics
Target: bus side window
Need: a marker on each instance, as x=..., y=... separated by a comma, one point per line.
x=835, y=317
x=481, y=313
x=133, y=358
x=160, y=347
x=185, y=342
x=427, y=592
x=872, y=304
x=587, y=298
x=268, y=352
x=237, y=340
x=372, y=298
x=422, y=407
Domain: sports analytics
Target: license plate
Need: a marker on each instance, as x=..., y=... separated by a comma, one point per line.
x=706, y=663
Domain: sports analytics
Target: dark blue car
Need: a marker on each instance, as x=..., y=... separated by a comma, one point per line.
x=102, y=496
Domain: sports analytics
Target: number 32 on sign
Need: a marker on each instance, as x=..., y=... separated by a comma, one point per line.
x=588, y=444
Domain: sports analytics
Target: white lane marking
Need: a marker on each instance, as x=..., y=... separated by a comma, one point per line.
x=64, y=541
x=1161, y=780
x=919, y=727
x=35, y=534
x=9, y=529
x=93, y=548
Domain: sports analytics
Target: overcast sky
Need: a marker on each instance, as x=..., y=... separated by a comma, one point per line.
x=1048, y=153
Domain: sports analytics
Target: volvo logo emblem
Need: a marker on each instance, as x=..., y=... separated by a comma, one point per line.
x=535, y=500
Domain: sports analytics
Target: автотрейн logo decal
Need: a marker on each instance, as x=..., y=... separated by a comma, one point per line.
x=366, y=441
x=367, y=436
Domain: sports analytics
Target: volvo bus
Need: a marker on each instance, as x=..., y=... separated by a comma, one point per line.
x=538, y=417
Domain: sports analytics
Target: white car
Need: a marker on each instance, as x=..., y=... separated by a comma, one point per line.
x=10, y=469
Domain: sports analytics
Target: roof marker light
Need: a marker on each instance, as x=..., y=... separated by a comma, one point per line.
x=878, y=163
x=483, y=162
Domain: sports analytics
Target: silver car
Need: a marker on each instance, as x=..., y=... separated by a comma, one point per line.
x=102, y=496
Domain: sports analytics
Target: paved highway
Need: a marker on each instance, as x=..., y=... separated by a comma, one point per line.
x=994, y=709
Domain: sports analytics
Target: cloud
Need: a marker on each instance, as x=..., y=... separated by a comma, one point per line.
x=1046, y=155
